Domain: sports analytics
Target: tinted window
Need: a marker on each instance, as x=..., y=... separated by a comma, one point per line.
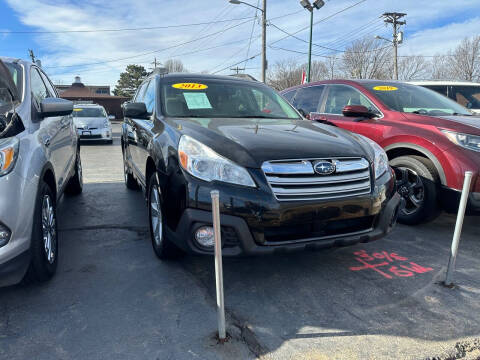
x=307, y=99
x=340, y=96
x=289, y=95
x=39, y=90
x=17, y=76
x=468, y=96
x=442, y=89
x=149, y=97
x=415, y=99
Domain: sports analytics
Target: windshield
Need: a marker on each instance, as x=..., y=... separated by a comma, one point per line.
x=468, y=96
x=223, y=99
x=89, y=112
x=416, y=99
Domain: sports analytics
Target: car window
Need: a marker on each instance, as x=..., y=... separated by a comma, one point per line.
x=48, y=84
x=149, y=97
x=307, y=99
x=468, y=96
x=340, y=96
x=39, y=90
x=415, y=99
x=289, y=95
x=141, y=92
x=442, y=89
x=89, y=112
x=223, y=99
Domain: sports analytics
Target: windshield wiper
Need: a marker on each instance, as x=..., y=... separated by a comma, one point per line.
x=458, y=114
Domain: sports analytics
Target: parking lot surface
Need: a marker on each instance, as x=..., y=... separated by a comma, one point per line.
x=112, y=298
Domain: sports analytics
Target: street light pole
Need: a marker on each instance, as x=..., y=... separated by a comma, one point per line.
x=309, y=68
x=317, y=4
x=264, y=33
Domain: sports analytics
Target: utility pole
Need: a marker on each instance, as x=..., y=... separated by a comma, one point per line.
x=264, y=41
x=237, y=69
x=393, y=18
x=263, y=10
x=32, y=55
x=154, y=62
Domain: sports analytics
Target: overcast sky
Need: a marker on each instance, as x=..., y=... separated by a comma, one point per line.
x=433, y=26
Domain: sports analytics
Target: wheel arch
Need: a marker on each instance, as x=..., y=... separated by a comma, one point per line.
x=403, y=149
x=48, y=175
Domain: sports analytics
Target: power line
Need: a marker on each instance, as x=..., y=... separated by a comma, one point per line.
x=124, y=29
x=149, y=52
x=251, y=35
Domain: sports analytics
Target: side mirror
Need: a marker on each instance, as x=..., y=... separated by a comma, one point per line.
x=55, y=107
x=111, y=117
x=135, y=110
x=359, y=111
x=303, y=113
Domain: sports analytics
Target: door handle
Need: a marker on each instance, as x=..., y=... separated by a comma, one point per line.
x=47, y=141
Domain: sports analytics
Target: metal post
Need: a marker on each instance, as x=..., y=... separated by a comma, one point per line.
x=458, y=228
x=264, y=41
x=309, y=68
x=218, y=265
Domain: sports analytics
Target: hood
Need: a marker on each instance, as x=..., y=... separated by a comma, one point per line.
x=90, y=122
x=250, y=142
x=463, y=124
x=8, y=90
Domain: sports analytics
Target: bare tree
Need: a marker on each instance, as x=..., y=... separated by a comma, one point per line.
x=465, y=59
x=413, y=67
x=365, y=59
x=333, y=63
x=285, y=74
x=440, y=68
x=319, y=71
x=174, y=65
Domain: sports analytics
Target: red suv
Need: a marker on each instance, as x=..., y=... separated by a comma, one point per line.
x=430, y=140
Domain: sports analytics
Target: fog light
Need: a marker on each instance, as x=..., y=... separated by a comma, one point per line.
x=205, y=236
x=4, y=235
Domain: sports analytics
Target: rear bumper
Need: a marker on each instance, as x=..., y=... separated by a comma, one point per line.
x=237, y=238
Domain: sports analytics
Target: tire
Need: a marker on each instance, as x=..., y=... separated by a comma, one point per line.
x=163, y=248
x=43, y=263
x=75, y=184
x=417, y=183
x=130, y=181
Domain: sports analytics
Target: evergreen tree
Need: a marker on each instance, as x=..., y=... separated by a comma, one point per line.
x=130, y=80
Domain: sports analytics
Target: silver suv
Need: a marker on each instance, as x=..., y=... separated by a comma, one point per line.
x=39, y=161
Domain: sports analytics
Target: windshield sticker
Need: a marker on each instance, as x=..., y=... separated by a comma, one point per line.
x=77, y=109
x=190, y=86
x=197, y=100
x=385, y=88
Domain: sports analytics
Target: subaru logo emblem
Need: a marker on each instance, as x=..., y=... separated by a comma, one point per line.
x=324, y=168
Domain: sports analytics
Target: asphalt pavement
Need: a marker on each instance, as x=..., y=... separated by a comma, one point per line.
x=113, y=299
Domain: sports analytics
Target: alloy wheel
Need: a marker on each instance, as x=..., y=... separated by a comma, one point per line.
x=49, y=229
x=411, y=188
x=156, y=217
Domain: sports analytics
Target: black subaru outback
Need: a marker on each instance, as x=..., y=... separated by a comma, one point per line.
x=284, y=184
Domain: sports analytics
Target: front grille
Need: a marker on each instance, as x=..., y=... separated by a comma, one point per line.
x=294, y=180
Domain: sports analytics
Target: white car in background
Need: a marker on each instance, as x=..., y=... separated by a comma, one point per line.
x=465, y=93
x=92, y=122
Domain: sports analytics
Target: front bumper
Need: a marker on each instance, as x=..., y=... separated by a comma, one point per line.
x=16, y=213
x=253, y=222
x=104, y=134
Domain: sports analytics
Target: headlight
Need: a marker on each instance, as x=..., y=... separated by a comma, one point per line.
x=8, y=155
x=204, y=163
x=471, y=142
x=381, y=158
x=106, y=123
